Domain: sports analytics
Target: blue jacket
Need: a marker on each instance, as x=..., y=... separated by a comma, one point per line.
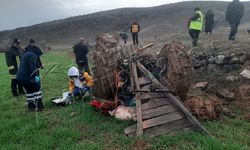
x=28, y=67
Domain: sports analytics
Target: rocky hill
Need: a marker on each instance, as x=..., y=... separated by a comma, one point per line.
x=160, y=21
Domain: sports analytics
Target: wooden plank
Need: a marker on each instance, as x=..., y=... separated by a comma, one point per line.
x=144, y=81
x=168, y=128
x=139, y=130
x=195, y=123
x=153, y=103
x=146, y=87
x=158, y=111
x=155, y=121
x=150, y=95
x=162, y=110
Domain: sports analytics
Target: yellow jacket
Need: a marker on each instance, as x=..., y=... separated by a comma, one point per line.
x=88, y=81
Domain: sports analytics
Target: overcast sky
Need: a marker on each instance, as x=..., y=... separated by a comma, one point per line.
x=19, y=13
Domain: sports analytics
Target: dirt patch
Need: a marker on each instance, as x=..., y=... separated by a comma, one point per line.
x=205, y=108
x=141, y=145
x=243, y=97
x=247, y=117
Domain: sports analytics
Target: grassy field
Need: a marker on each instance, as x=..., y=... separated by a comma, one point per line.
x=79, y=127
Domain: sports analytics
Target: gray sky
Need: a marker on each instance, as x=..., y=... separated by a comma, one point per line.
x=19, y=13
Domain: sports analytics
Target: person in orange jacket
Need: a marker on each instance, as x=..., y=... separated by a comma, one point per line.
x=135, y=29
x=79, y=84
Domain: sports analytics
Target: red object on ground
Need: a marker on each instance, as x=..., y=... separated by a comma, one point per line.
x=95, y=104
x=104, y=106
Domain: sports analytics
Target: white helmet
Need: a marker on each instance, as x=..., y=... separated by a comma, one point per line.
x=73, y=71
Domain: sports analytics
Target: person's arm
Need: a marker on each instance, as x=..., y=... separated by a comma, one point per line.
x=86, y=49
x=88, y=78
x=32, y=66
x=10, y=62
x=71, y=86
x=131, y=28
x=242, y=11
x=139, y=28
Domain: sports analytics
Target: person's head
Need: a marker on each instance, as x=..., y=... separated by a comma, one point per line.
x=236, y=1
x=196, y=9
x=73, y=72
x=82, y=40
x=32, y=42
x=16, y=43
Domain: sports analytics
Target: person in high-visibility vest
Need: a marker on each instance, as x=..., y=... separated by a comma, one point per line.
x=135, y=29
x=195, y=26
x=13, y=57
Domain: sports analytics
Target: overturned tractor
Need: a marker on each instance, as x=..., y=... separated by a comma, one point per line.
x=125, y=74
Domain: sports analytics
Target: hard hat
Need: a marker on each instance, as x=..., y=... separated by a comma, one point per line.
x=73, y=71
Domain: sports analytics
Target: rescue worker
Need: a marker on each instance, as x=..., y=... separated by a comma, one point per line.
x=135, y=29
x=209, y=21
x=81, y=51
x=33, y=48
x=195, y=26
x=13, y=56
x=124, y=36
x=28, y=76
x=234, y=14
x=79, y=84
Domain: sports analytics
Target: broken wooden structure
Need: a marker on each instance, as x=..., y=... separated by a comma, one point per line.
x=158, y=111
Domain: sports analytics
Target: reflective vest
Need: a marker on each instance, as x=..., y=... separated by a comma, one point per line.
x=135, y=28
x=197, y=24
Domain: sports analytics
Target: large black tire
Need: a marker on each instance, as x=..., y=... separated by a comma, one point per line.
x=178, y=74
x=104, y=66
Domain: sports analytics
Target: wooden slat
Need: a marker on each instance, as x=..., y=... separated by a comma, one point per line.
x=162, y=110
x=144, y=81
x=139, y=130
x=146, y=87
x=168, y=128
x=158, y=111
x=155, y=121
x=145, y=96
x=153, y=103
x=195, y=123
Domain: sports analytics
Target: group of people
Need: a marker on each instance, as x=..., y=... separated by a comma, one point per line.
x=24, y=66
x=234, y=14
x=134, y=29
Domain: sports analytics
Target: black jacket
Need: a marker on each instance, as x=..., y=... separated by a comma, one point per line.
x=235, y=11
x=81, y=52
x=28, y=68
x=37, y=51
x=209, y=18
x=13, y=57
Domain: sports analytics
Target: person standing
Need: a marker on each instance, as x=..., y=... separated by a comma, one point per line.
x=195, y=26
x=33, y=48
x=234, y=14
x=13, y=56
x=209, y=21
x=28, y=76
x=135, y=29
x=81, y=51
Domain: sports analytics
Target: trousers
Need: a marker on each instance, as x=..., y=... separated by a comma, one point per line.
x=33, y=95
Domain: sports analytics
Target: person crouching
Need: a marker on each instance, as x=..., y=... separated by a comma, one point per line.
x=79, y=84
x=28, y=76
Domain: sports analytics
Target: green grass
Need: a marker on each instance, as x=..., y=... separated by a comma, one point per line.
x=79, y=127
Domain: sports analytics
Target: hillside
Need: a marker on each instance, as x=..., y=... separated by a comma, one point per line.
x=157, y=21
